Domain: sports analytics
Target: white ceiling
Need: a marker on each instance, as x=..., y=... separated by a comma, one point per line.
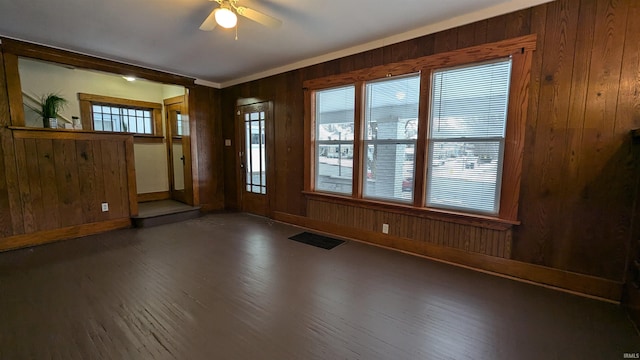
x=164, y=35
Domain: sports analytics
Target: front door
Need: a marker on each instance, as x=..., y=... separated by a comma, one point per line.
x=252, y=122
x=176, y=140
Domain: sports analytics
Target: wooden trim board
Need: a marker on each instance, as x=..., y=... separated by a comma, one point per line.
x=154, y=196
x=70, y=232
x=575, y=283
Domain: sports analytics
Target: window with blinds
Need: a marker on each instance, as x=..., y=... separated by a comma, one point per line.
x=391, y=122
x=334, y=120
x=467, y=124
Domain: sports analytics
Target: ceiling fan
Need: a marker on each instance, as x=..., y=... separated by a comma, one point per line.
x=225, y=16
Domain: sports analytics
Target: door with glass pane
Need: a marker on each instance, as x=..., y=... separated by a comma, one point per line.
x=252, y=122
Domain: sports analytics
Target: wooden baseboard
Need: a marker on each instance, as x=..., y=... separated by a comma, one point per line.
x=46, y=236
x=154, y=196
x=576, y=283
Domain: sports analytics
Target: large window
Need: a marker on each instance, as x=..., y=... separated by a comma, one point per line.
x=443, y=132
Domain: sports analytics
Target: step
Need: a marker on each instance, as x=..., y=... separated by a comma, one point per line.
x=163, y=212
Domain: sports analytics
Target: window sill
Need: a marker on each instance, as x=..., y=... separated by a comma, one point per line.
x=478, y=220
x=147, y=139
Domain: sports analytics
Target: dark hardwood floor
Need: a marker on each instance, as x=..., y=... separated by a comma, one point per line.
x=232, y=286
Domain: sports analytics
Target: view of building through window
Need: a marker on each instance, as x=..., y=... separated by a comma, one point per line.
x=334, y=139
x=391, y=112
x=465, y=142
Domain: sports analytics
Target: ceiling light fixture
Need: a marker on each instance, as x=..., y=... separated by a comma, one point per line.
x=129, y=78
x=225, y=17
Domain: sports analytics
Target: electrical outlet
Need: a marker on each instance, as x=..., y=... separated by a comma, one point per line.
x=385, y=228
x=227, y=142
x=105, y=207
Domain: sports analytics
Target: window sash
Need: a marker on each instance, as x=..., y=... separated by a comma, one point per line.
x=336, y=106
x=469, y=105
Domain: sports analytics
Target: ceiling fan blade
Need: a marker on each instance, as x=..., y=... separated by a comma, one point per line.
x=259, y=17
x=209, y=23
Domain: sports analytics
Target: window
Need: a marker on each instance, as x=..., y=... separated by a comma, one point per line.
x=179, y=124
x=114, y=118
x=104, y=113
x=334, y=139
x=436, y=134
x=391, y=119
x=256, y=174
x=466, y=136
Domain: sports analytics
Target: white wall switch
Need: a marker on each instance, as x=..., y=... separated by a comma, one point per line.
x=385, y=228
x=105, y=207
x=227, y=142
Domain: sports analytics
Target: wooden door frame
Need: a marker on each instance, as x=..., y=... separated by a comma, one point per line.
x=269, y=131
x=181, y=102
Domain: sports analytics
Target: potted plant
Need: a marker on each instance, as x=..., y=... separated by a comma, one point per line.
x=51, y=105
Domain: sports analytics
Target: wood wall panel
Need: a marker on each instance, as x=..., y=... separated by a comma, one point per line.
x=575, y=209
x=50, y=181
x=8, y=176
x=64, y=176
x=87, y=180
x=204, y=112
x=453, y=235
x=579, y=215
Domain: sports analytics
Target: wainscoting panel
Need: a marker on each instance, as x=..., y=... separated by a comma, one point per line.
x=63, y=179
x=455, y=235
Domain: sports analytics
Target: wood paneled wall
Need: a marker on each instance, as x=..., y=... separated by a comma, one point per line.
x=631, y=297
x=57, y=181
x=7, y=227
x=575, y=202
x=476, y=239
x=207, y=151
x=64, y=177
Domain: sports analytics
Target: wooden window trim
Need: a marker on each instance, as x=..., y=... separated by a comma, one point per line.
x=520, y=49
x=87, y=100
x=147, y=139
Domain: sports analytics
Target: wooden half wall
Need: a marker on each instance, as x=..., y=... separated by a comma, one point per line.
x=53, y=182
x=60, y=181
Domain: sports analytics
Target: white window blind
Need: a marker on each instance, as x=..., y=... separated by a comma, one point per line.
x=391, y=122
x=334, y=139
x=466, y=136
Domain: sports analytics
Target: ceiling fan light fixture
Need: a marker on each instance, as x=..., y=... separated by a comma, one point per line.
x=225, y=17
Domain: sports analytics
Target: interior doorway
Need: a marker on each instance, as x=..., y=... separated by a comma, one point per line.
x=177, y=131
x=253, y=123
